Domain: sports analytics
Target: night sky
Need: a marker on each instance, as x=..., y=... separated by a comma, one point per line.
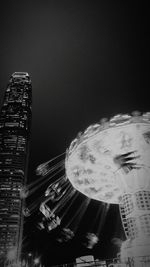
x=87, y=60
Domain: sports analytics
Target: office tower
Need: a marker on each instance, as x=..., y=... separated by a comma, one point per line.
x=15, y=124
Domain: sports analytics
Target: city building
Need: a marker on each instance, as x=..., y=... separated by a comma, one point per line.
x=15, y=127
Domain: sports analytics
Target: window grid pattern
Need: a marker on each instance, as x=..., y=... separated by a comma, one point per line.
x=128, y=203
x=143, y=200
x=145, y=224
x=132, y=228
x=124, y=220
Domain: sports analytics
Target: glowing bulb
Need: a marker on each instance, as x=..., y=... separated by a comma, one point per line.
x=36, y=260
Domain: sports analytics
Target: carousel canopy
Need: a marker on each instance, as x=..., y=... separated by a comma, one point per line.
x=111, y=158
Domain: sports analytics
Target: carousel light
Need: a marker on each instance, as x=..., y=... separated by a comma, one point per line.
x=36, y=261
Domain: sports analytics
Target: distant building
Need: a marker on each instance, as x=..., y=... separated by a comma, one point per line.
x=15, y=124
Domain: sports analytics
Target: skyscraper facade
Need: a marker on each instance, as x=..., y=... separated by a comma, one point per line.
x=15, y=126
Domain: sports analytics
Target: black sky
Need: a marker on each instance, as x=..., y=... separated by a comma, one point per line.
x=87, y=60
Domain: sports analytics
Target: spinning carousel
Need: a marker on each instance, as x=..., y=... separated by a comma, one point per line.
x=110, y=162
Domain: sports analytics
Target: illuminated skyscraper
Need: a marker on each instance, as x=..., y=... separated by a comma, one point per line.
x=15, y=124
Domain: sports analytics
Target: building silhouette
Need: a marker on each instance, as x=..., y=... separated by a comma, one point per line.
x=15, y=125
